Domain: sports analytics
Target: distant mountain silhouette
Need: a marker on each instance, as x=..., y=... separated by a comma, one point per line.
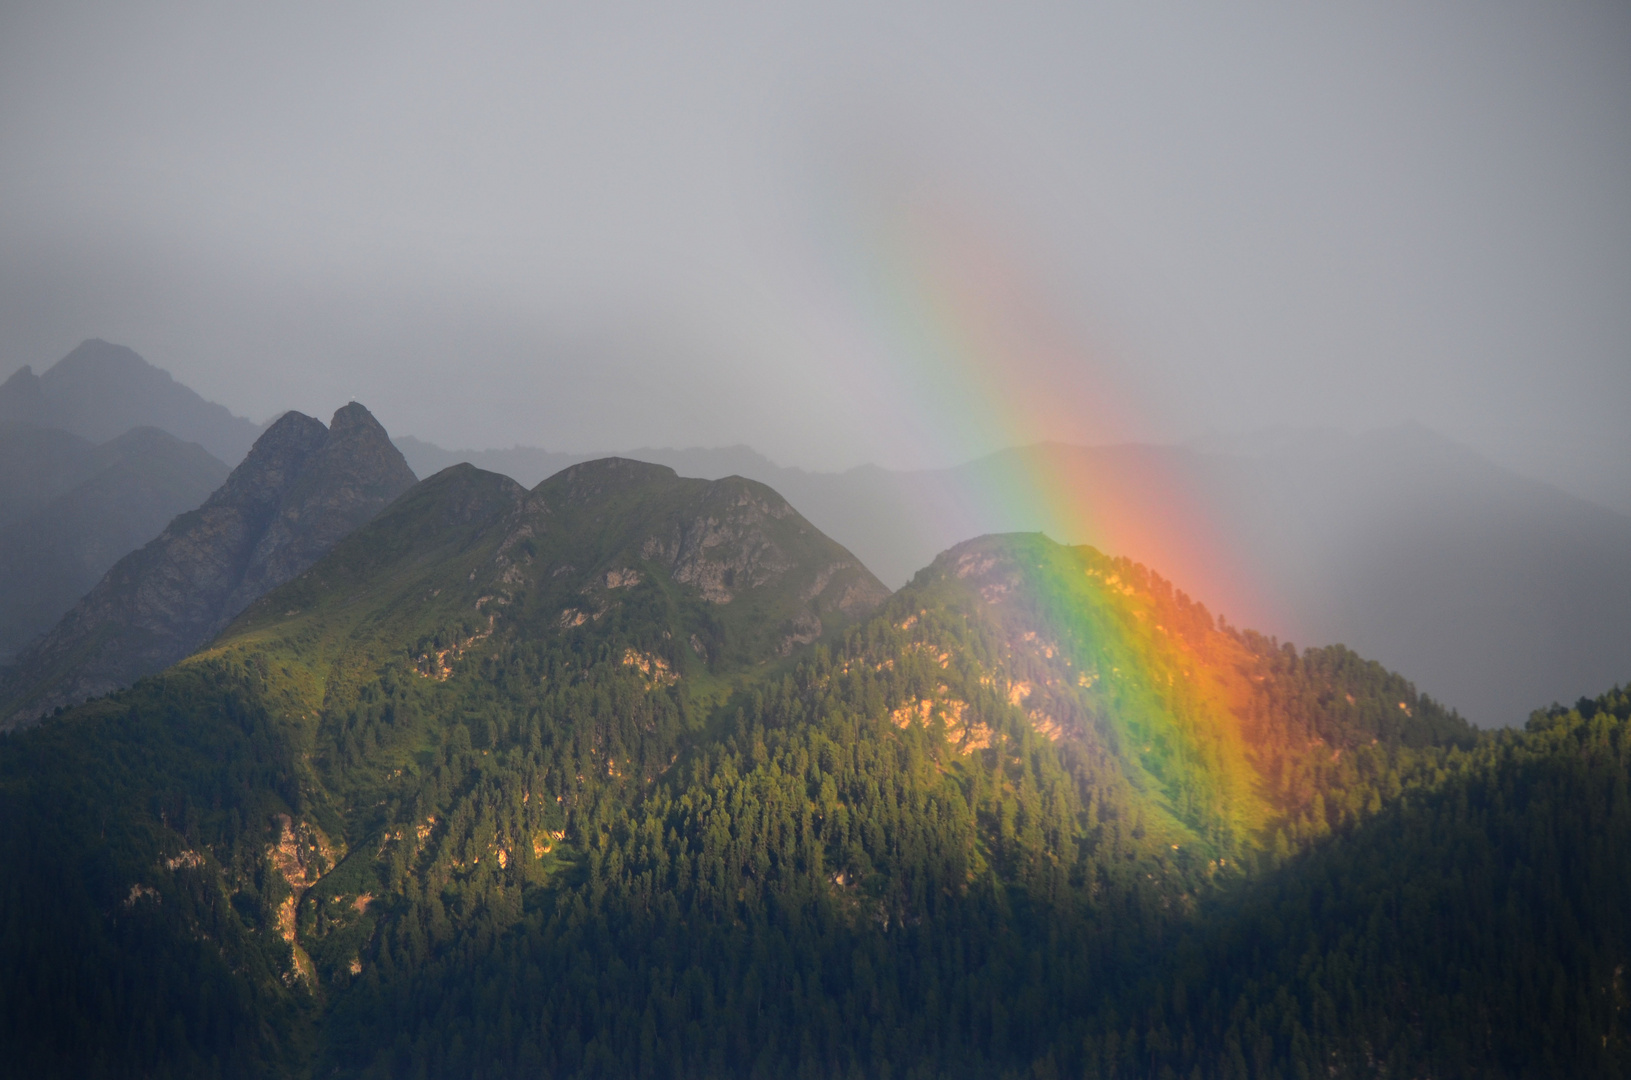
x=530, y=465
x=69, y=510
x=100, y=391
x=302, y=489
x=37, y=465
x=1490, y=590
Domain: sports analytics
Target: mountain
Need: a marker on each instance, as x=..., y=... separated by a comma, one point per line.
x=529, y=465
x=99, y=391
x=1496, y=590
x=299, y=491
x=36, y=466
x=71, y=510
x=733, y=576
x=635, y=775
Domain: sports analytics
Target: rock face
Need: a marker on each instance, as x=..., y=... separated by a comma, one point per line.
x=345, y=481
x=302, y=488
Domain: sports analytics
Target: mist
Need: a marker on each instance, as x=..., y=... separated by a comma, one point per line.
x=591, y=227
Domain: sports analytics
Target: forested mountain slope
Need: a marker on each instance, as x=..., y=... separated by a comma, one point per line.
x=565, y=782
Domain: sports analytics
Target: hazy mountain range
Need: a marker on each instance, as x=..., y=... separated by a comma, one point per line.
x=1493, y=591
x=626, y=773
x=70, y=509
x=302, y=488
x=100, y=391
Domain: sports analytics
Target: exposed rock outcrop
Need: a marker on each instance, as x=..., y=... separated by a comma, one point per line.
x=302, y=488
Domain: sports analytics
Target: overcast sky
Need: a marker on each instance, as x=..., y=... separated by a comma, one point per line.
x=891, y=233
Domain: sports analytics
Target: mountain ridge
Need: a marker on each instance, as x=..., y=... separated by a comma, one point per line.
x=734, y=542
x=302, y=488
x=1402, y=544
x=465, y=796
x=100, y=390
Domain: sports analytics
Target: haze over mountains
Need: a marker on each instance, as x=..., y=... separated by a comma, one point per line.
x=1082, y=742
x=70, y=509
x=302, y=488
x=1493, y=590
x=99, y=391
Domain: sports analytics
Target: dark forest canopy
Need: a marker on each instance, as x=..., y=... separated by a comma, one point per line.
x=635, y=776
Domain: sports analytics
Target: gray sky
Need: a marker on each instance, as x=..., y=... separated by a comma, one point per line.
x=904, y=234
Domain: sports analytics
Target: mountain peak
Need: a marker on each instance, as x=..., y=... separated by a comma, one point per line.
x=364, y=456
x=353, y=416
x=301, y=489
x=464, y=493
x=597, y=478
x=101, y=390
x=289, y=426
x=276, y=458
x=94, y=358
x=1086, y=633
x=349, y=474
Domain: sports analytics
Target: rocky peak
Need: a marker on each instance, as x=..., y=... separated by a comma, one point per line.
x=726, y=543
x=353, y=419
x=615, y=522
x=302, y=488
x=276, y=459
x=341, y=483
x=360, y=459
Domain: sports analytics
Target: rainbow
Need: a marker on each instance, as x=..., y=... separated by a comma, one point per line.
x=971, y=353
